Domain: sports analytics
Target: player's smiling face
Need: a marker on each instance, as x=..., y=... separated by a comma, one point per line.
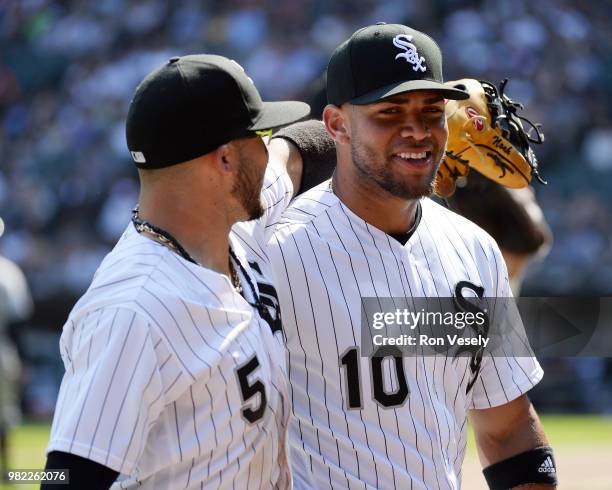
x=398, y=143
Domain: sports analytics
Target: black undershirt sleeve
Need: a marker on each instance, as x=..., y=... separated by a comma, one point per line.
x=84, y=473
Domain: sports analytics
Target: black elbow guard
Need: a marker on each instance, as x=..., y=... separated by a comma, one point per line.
x=317, y=148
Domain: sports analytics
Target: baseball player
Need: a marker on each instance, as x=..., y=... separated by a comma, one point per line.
x=174, y=373
x=388, y=421
x=15, y=307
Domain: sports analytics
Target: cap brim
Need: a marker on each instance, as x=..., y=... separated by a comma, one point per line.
x=275, y=114
x=410, y=86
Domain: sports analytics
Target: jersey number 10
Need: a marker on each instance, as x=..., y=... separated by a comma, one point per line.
x=350, y=361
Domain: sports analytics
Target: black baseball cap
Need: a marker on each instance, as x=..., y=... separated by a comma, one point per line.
x=382, y=60
x=194, y=104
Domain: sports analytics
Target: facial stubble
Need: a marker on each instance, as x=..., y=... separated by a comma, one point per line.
x=247, y=188
x=380, y=173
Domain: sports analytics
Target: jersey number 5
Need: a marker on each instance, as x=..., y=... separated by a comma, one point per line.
x=248, y=390
x=350, y=360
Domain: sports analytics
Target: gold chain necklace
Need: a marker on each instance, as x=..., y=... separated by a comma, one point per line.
x=234, y=277
x=167, y=239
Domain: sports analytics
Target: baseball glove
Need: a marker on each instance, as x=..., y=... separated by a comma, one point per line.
x=486, y=133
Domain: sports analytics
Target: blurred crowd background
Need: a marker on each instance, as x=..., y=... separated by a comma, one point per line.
x=68, y=70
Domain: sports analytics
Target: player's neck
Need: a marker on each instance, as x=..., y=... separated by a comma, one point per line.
x=199, y=226
x=390, y=214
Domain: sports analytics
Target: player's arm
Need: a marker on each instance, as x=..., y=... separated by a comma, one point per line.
x=284, y=155
x=306, y=152
x=94, y=404
x=512, y=446
x=83, y=473
x=300, y=156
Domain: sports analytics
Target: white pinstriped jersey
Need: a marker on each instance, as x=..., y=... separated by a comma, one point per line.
x=172, y=378
x=325, y=259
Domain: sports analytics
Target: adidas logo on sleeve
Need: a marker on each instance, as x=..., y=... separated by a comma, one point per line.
x=547, y=466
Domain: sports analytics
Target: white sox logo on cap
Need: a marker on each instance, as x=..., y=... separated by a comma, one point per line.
x=402, y=41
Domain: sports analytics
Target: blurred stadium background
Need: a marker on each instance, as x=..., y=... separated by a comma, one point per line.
x=68, y=69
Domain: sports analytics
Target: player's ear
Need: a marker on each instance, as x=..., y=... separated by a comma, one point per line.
x=223, y=158
x=335, y=121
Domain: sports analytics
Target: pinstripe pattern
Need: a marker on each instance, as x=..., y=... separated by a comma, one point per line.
x=152, y=352
x=325, y=259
